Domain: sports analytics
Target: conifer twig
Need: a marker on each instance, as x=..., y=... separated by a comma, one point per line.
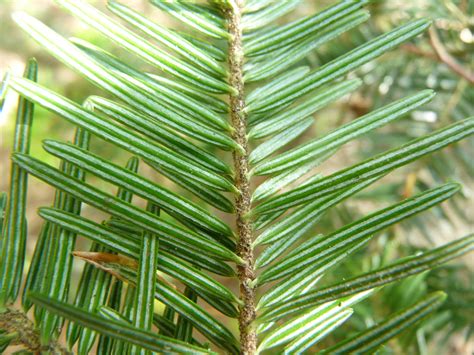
x=246, y=272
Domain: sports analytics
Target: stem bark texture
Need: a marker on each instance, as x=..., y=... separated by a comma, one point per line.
x=246, y=272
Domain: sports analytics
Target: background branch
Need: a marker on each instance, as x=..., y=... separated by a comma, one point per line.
x=446, y=58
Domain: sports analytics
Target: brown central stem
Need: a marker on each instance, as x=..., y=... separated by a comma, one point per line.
x=16, y=322
x=248, y=338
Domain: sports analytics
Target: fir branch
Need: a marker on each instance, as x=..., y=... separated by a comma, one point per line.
x=246, y=272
